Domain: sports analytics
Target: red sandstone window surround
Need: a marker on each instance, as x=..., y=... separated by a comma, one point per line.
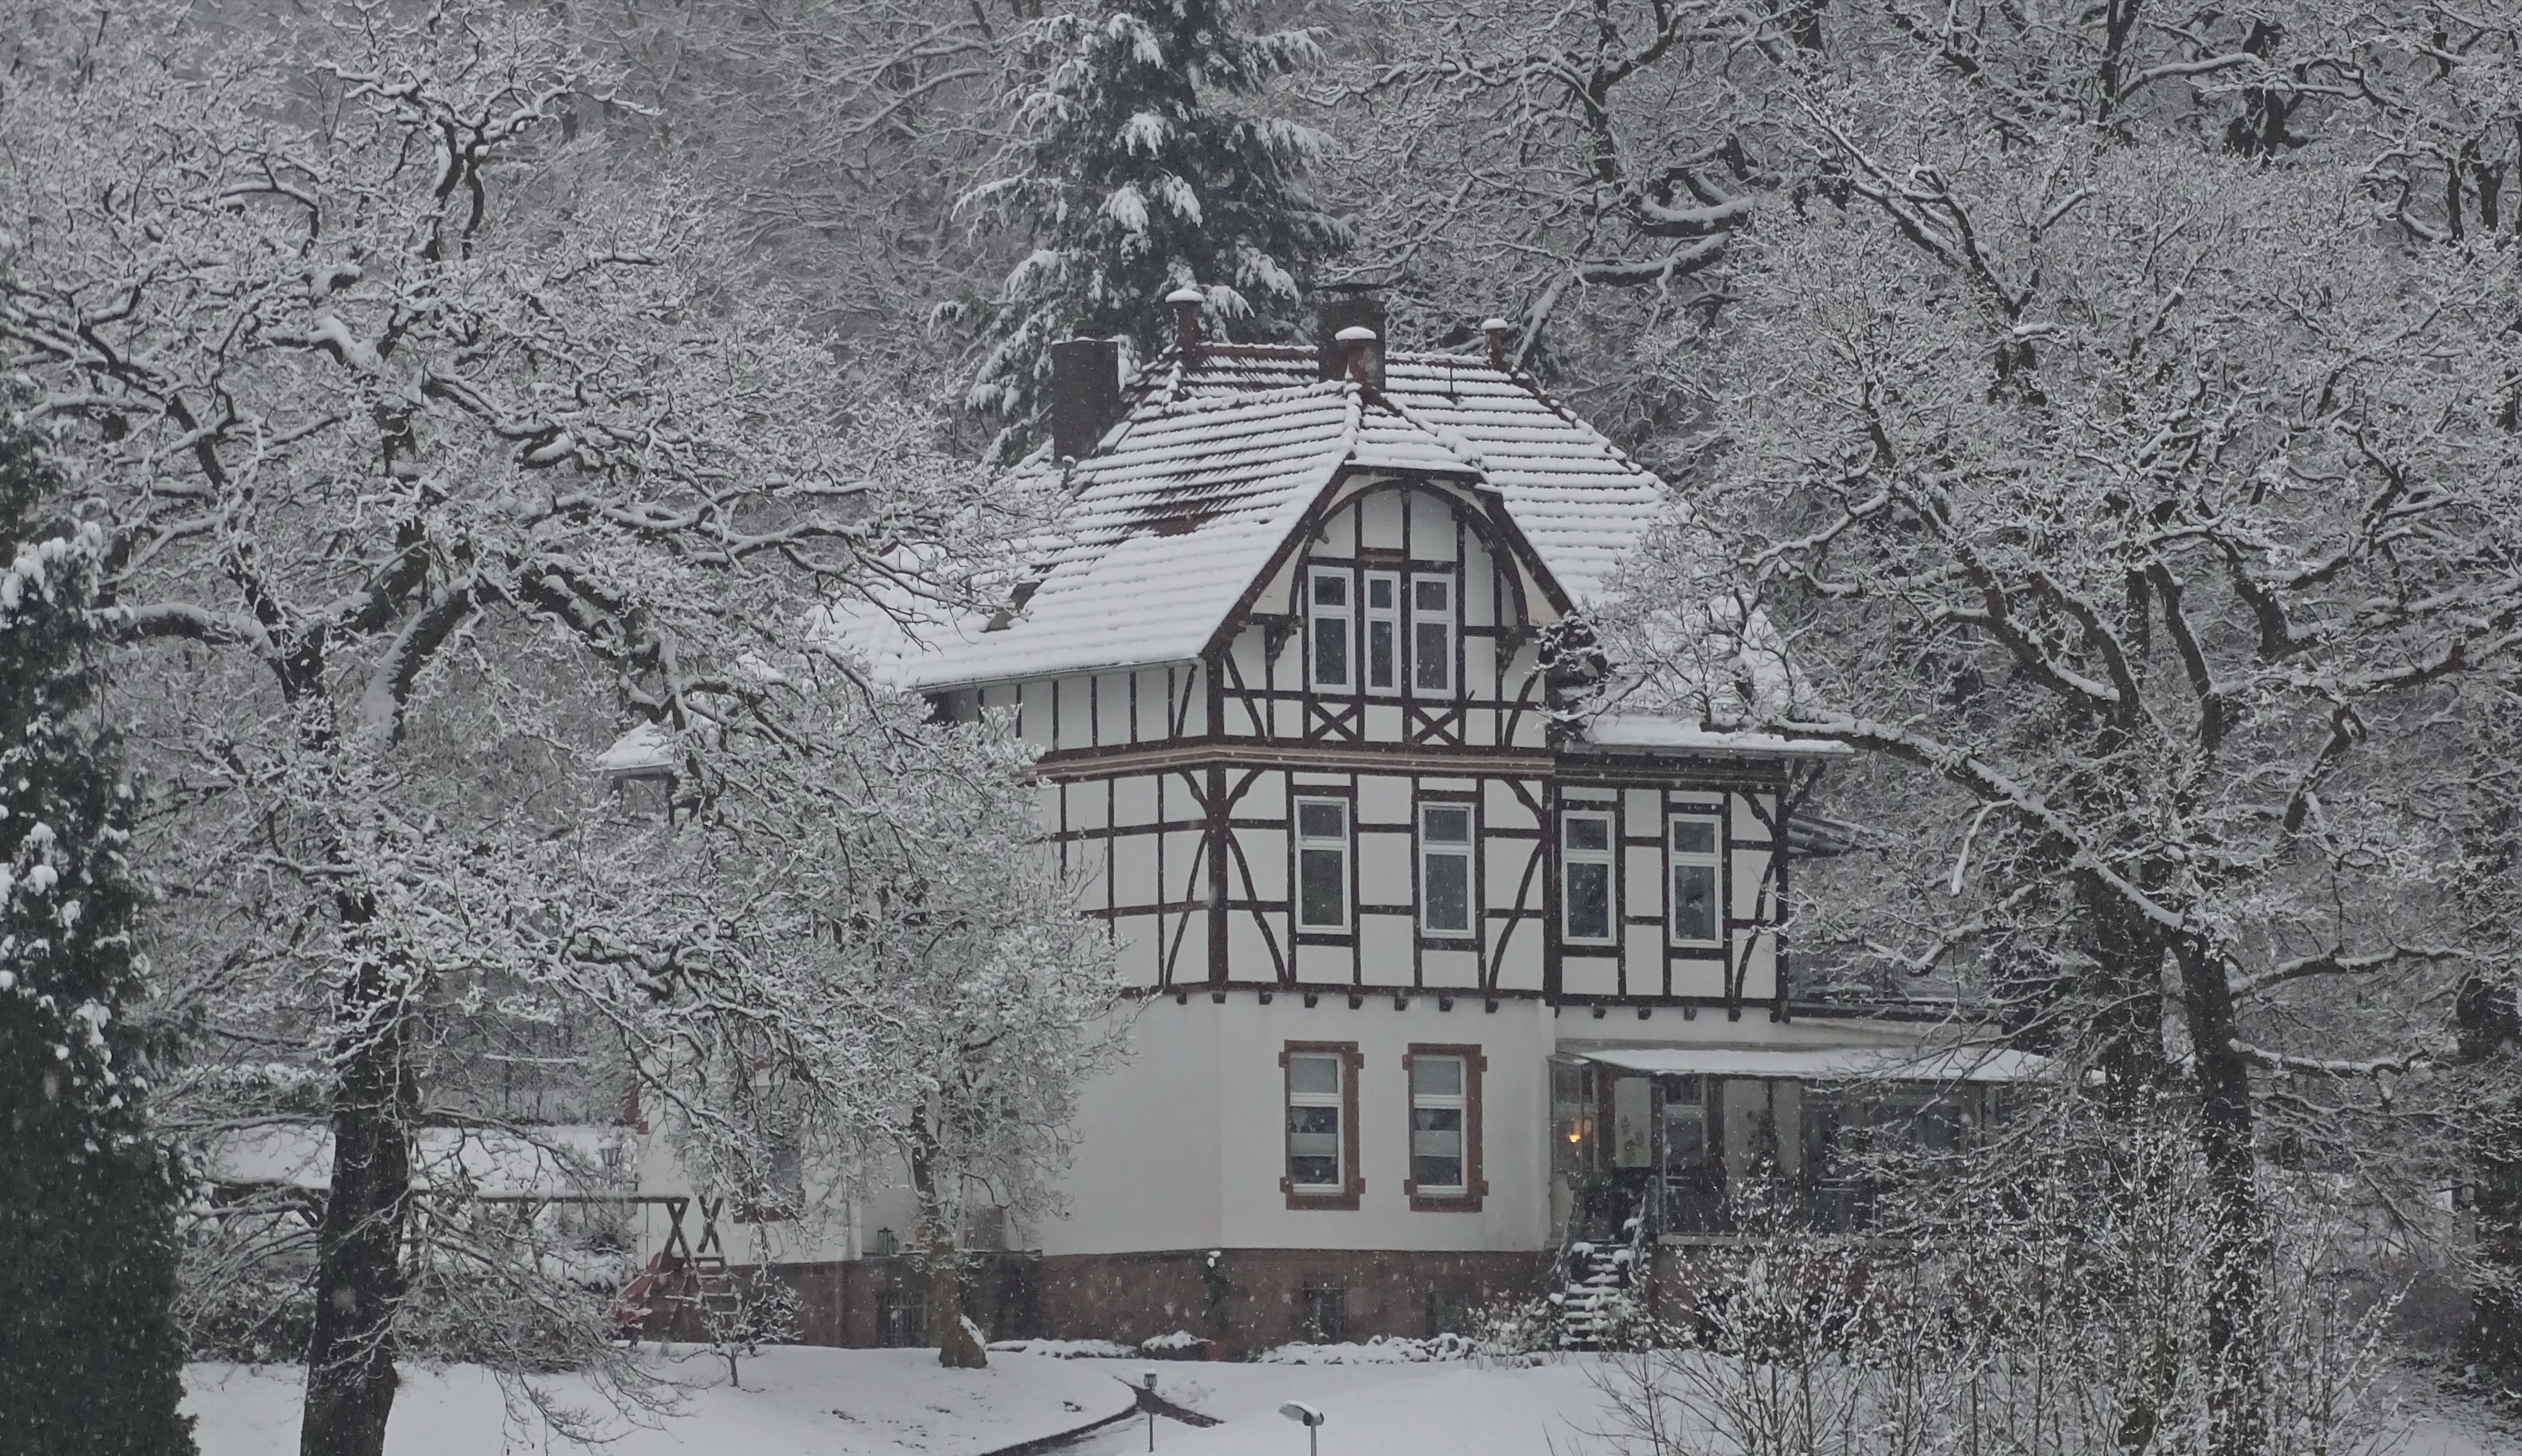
x=1322, y=1167
x=1444, y=1108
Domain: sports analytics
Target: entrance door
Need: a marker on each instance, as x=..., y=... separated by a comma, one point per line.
x=1692, y=1184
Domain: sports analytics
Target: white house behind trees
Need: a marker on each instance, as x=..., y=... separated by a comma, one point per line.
x=1441, y=962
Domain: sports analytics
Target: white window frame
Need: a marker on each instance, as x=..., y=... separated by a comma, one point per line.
x=1343, y=844
x=1677, y=858
x=1459, y=1101
x=1445, y=620
x=1316, y=614
x=1388, y=618
x=1608, y=857
x=1336, y=1100
x=1431, y=849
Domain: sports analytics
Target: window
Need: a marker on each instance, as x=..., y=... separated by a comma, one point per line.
x=1436, y=1123
x=1382, y=631
x=1698, y=879
x=1444, y=1128
x=1322, y=1124
x=1445, y=869
x=1325, y=1314
x=1331, y=640
x=1585, y=869
x=901, y=1317
x=1432, y=634
x=1314, y=1102
x=1321, y=864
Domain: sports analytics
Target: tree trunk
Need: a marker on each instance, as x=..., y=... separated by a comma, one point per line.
x=940, y=1259
x=2238, y=1239
x=358, y=1262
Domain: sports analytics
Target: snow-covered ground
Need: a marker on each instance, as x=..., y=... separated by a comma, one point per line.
x=795, y=1401
x=825, y=1402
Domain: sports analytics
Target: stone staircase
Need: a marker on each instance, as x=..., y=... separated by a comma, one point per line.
x=1597, y=1293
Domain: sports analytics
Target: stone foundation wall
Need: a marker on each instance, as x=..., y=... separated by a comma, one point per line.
x=1242, y=1301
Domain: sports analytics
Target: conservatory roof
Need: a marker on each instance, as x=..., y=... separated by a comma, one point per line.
x=1216, y=459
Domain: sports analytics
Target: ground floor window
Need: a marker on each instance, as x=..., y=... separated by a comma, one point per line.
x=1444, y=1127
x=1321, y=1157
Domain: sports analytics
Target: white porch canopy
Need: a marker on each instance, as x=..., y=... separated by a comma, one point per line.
x=1835, y=1064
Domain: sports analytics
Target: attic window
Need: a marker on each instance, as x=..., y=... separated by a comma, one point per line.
x=1382, y=631
x=1431, y=635
x=1330, y=639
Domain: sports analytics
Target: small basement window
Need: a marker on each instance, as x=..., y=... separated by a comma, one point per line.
x=1332, y=619
x=1585, y=876
x=1445, y=869
x=1321, y=864
x=1696, y=847
x=1431, y=635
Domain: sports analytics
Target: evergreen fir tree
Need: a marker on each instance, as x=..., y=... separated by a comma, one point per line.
x=1132, y=181
x=90, y=1357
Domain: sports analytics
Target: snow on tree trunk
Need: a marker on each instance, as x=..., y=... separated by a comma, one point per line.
x=428, y=463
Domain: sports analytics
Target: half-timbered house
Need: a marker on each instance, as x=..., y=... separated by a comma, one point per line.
x=1432, y=969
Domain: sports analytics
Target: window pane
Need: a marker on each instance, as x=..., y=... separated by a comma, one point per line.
x=1432, y=654
x=1331, y=591
x=1437, y=1147
x=1331, y=651
x=1436, y=1077
x=1313, y=1076
x=1589, y=833
x=1589, y=901
x=1429, y=595
x=1378, y=593
x=1449, y=891
x=1447, y=826
x=1323, y=820
x=1313, y=1142
x=1322, y=888
x=1694, y=902
x=1693, y=837
x=1380, y=653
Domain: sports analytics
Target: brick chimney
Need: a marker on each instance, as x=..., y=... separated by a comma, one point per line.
x=1497, y=329
x=1185, y=303
x=1085, y=395
x=1348, y=305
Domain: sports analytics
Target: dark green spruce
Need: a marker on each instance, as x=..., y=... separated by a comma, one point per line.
x=90, y=1357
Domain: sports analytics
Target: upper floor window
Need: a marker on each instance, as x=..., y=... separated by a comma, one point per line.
x=1445, y=869
x=1321, y=864
x=1332, y=619
x=1432, y=634
x=1383, y=632
x=1585, y=875
x=1697, y=879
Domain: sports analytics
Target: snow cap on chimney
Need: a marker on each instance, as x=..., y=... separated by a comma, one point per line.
x=1356, y=339
x=1186, y=301
x=1496, y=328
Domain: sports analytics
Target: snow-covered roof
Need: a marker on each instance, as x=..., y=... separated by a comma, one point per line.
x=1970, y=1063
x=1183, y=503
x=1670, y=735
